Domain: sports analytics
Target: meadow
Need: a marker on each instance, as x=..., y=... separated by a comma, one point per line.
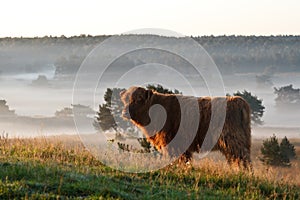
x=59, y=167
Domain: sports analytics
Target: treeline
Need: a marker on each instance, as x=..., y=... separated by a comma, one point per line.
x=232, y=54
x=257, y=54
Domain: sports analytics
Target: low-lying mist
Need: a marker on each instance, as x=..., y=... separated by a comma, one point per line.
x=40, y=102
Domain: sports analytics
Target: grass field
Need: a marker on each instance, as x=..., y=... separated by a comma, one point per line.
x=51, y=168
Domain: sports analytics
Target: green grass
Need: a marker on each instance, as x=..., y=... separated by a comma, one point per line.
x=43, y=169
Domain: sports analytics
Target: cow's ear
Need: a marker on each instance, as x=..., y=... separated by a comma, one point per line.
x=148, y=94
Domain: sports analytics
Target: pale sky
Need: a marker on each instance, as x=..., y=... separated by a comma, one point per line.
x=31, y=18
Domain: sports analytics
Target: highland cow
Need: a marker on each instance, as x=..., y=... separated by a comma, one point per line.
x=233, y=139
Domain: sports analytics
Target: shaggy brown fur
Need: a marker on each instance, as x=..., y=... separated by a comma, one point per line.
x=234, y=141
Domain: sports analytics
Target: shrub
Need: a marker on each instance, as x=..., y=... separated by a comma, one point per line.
x=287, y=148
x=275, y=154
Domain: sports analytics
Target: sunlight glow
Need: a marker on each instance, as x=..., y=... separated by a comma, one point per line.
x=192, y=17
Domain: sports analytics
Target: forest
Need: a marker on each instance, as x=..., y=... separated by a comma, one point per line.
x=263, y=55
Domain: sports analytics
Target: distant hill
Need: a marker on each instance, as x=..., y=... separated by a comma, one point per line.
x=257, y=54
x=232, y=54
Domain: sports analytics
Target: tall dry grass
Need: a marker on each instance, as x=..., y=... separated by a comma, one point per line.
x=69, y=150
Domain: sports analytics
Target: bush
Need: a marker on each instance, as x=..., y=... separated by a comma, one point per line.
x=275, y=154
x=287, y=148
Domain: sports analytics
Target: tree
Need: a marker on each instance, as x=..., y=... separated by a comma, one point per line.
x=287, y=96
x=257, y=109
x=109, y=115
x=65, y=112
x=287, y=148
x=105, y=119
x=80, y=110
x=275, y=154
x=5, y=111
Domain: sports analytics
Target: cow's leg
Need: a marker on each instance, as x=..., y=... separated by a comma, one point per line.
x=237, y=153
x=230, y=153
x=247, y=164
x=239, y=159
x=186, y=157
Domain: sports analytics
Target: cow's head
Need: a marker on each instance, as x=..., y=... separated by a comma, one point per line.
x=137, y=101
